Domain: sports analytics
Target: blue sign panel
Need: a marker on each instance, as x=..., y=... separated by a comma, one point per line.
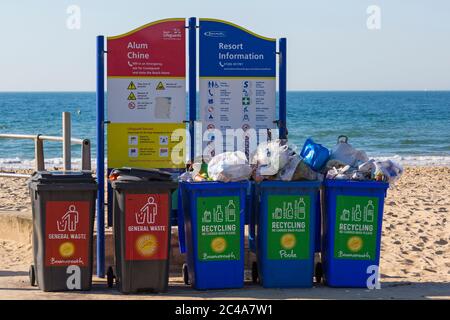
x=237, y=87
x=227, y=50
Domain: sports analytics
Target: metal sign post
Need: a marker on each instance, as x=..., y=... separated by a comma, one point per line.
x=101, y=156
x=282, y=87
x=192, y=81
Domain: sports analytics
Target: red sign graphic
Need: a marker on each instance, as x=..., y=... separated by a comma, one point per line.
x=67, y=233
x=146, y=222
x=154, y=50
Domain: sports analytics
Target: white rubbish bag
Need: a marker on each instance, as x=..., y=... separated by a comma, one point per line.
x=229, y=167
x=344, y=152
x=271, y=157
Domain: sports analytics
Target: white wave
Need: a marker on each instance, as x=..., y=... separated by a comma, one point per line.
x=50, y=163
x=17, y=163
x=419, y=161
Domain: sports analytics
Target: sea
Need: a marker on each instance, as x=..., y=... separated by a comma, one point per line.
x=409, y=127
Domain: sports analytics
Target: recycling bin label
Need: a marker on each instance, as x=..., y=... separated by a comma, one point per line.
x=146, y=223
x=218, y=228
x=288, y=229
x=67, y=233
x=355, y=234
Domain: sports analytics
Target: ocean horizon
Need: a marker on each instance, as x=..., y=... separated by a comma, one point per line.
x=411, y=127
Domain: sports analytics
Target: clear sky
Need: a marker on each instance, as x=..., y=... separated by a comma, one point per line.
x=329, y=44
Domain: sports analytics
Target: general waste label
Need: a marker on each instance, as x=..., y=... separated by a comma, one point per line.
x=67, y=234
x=146, y=223
x=218, y=228
x=288, y=233
x=355, y=234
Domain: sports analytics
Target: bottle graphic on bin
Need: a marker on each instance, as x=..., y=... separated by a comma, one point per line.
x=300, y=209
x=289, y=211
x=369, y=212
x=218, y=214
x=230, y=212
x=356, y=213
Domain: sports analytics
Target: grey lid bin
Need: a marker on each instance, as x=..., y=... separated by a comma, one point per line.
x=141, y=215
x=63, y=206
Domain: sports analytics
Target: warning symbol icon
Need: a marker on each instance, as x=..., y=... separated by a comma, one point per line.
x=160, y=86
x=131, y=86
x=131, y=96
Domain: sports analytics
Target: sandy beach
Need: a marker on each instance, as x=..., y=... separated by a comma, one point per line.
x=416, y=231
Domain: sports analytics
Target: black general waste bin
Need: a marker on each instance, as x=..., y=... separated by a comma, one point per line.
x=63, y=205
x=141, y=210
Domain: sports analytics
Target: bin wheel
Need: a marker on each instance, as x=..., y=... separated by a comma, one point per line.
x=318, y=272
x=255, y=277
x=32, y=276
x=110, y=277
x=185, y=274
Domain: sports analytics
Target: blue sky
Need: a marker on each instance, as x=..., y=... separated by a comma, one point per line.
x=329, y=44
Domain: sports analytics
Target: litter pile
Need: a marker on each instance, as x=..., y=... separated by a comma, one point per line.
x=278, y=160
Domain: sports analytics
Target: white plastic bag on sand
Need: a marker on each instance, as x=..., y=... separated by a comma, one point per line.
x=270, y=157
x=344, y=152
x=229, y=167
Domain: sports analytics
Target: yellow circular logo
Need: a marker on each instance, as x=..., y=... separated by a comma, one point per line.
x=288, y=241
x=146, y=245
x=218, y=245
x=66, y=249
x=355, y=243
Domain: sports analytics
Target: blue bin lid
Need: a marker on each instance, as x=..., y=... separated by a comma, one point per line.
x=290, y=184
x=336, y=183
x=214, y=185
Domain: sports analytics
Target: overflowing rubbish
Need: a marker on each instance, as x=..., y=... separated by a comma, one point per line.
x=315, y=155
x=271, y=156
x=387, y=171
x=229, y=167
x=345, y=153
x=347, y=163
x=278, y=160
x=304, y=172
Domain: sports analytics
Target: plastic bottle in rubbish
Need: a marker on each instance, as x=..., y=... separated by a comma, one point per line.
x=230, y=212
x=357, y=213
x=203, y=169
x=369, y=212
x=300, y=209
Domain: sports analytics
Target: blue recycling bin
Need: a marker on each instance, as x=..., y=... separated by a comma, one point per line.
x=213, y=216
x=353, y=215
x=283, y=231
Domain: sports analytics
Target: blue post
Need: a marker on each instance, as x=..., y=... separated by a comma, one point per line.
x=192, y=80
x=109, y=199
x=282, y=80
x=101, y=156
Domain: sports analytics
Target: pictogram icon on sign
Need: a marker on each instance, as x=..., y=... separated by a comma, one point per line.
x=131, y=96
x=131, y=86
x=160, y=86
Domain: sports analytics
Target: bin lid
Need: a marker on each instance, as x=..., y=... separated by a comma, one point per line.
x=62, y=177
x=138, y=174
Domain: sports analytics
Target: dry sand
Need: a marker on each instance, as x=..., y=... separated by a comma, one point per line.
x=416, y=232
